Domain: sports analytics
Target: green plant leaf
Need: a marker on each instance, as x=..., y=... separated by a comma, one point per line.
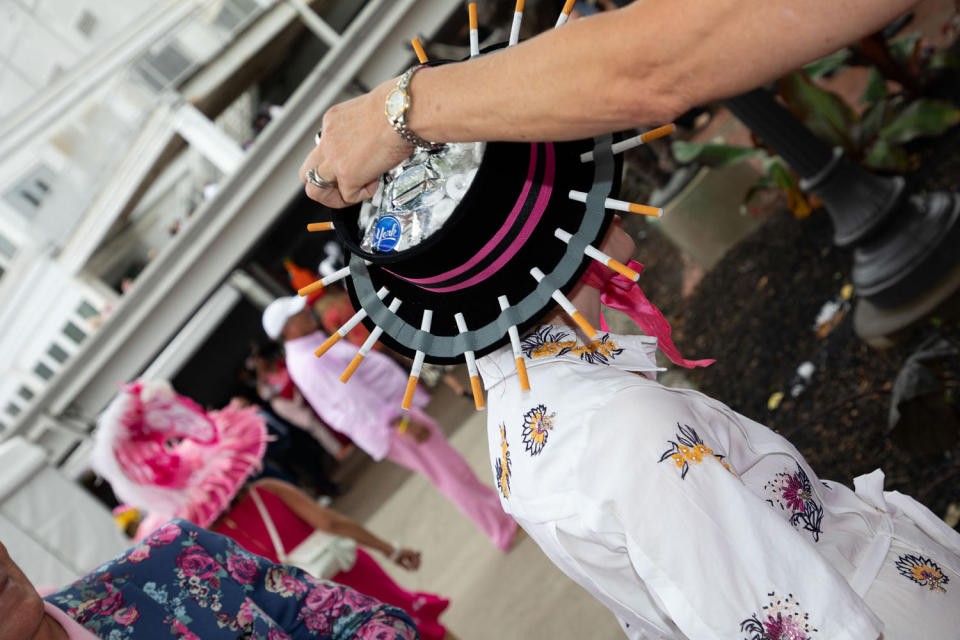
x=876, y=89
x=943, y=60
x=827, y=64
x=780, y=175
x=883, y=155
x=713, y=154
x=871, y=121
x=902, y=48
x=827, y=115
x=923, y=117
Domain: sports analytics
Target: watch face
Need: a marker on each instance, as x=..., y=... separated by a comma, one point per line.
x=396, y=103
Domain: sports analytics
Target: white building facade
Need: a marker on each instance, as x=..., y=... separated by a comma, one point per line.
x=132, y=177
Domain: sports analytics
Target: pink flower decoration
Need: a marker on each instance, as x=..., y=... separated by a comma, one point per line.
x=127, y=615
x=245, y=615
x=783, y=628
x=164, y=535
x=276, y=634
x=113, y=601
x=321, y=598
x=195, y=561
x=185, y=634
x=793, y=493
x=138, y=553
x=244, y=570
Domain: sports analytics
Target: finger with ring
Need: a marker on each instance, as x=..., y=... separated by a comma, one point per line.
x=312, y=177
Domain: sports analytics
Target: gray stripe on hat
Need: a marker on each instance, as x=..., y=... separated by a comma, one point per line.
x=476, y=339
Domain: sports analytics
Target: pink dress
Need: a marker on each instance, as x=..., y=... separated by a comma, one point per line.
x=244, y=524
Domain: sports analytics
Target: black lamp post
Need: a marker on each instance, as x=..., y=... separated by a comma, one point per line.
x=906, y=258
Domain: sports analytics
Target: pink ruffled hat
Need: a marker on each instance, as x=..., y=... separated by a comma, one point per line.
x=164, y=454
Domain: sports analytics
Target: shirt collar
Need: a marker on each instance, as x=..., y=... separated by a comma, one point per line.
x=551, y=343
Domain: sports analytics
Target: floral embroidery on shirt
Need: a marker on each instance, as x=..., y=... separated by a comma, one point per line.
x=923, y=571
x=544, y=342
x=689, y=449
x=779, y=619
x=501, y=465
x=793, y=492
x=537, y=425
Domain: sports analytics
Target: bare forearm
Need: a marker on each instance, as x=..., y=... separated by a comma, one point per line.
x=343, y=526
x=322, y=518
x=641, y=65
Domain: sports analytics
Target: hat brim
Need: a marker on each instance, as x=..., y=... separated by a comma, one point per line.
x=502, y=229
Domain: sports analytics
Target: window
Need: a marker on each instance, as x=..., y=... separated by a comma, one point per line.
x=74, y=332
x=87, y=310
x=13, y=409
x=57, y=353
x=43, y=371
x=27, y=195
x=25, y=393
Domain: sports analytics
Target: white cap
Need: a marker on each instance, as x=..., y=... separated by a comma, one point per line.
x=277, y=313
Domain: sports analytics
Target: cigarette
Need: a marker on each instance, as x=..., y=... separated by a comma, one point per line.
x=367, y=345
x=600, y=256
x=471, y=365
x=348, y=326
x=517, y=352
x=635, y=141
x=564, y=302
x=320, y=226
x=474, y=30
x=323, y=282
x=408, y=394
x=425, y=323
x=418, y=48
x=565, y=14
x=517, y=20
x=620, y=205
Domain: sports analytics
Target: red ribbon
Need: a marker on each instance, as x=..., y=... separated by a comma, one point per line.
x=623, y=294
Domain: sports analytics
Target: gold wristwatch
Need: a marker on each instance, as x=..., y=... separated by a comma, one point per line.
x=397, y=106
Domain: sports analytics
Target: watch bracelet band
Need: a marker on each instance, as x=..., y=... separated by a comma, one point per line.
x=400, y=124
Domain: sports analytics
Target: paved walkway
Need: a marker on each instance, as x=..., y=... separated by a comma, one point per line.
x=495, y=596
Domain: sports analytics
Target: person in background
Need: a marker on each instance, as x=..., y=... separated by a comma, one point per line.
x=201, y=480
x=276, y=387
x=368, y=411
x=186, y=582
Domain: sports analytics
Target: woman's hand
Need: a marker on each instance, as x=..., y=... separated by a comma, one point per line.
x=408, y=559
x=357, y=145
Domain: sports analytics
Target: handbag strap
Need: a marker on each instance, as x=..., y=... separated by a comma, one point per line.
x=271, y=529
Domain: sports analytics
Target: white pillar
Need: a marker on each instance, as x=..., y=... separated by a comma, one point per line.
x=206, y=137
x=315, y=23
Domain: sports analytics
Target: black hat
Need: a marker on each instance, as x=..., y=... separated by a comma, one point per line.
x=504, y=229
x=518, y=241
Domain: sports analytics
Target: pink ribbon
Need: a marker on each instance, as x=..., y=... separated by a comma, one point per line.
x=623, y=294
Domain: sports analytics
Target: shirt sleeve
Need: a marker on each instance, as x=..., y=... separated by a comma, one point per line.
x=713, y=555
x=303, y=606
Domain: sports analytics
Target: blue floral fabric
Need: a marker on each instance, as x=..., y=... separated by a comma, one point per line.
x=187, y=583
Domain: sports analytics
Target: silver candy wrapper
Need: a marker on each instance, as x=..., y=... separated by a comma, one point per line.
x=415, y=199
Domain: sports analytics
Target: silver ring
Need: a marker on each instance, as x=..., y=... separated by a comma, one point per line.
x=314, y=178
x=316, y=137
